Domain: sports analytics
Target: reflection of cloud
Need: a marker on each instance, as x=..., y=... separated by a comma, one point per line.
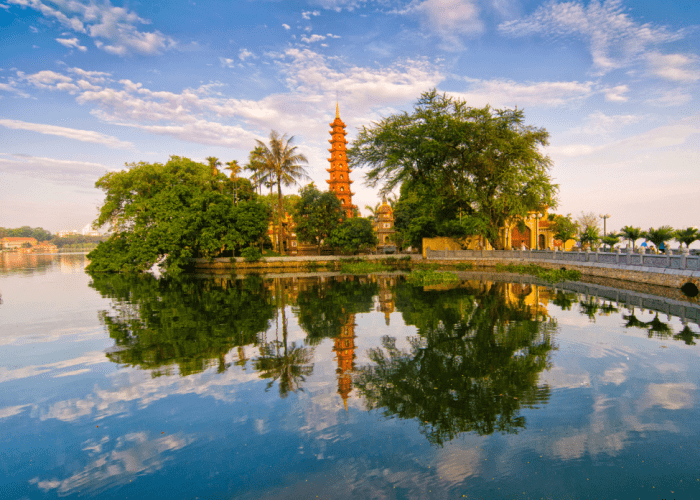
x=615, y=375
x=456, y=464
x=11, y=411
x=559, y=378
x=668, y=396
x=570, y=447
x=132, y=454
x=90, y=358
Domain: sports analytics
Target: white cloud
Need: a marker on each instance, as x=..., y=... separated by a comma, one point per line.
x=598, y=123
x=613, y=38
x=71, y=43
x=69, y=133
x=675, y=97
x=329, y=35
x=617, y=93
x=91, y=76
x=103, y=21
x=674, y=67
x=45, y=79
x=11, y=411
x=508, y=93
x=449, y=19
x=286, y=26
x=307, y=15
x=204, y=132
x=312, y=38
x=227, y=62
x=245, y=54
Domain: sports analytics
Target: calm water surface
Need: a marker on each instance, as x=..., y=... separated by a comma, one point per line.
x=337, y=387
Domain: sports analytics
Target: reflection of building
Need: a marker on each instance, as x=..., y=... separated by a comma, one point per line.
x=11, y=243
x=384, y=226
x=339, y=183
x=534, y=297
x=386, y=296
x=344, y=349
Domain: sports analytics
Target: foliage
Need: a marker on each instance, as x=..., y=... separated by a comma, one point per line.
x=687, y=236
x=589, y=236
x=283, y=162
x=659, y=236
x=422, y=277
x=258, y=168
x=251, y=254
x=316, y=215
x=363, y=267
x=564, y=228
x=157, y=324
x=473, y=366
x=464, y=266
x=611, y=239
x=631, y=234
x=353, y=235
x=171, y=211
x=474, y=168
x=38, y=233
x=549, y=275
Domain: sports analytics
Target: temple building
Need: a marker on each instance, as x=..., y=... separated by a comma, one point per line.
x=384, y=225
x=339, y=182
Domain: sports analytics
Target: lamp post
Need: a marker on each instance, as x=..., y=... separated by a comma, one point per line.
x=605, y=218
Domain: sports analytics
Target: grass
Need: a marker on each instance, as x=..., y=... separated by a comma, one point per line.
x=363, y=267
x=422, y=277
x=464, y=266
x=549, y=275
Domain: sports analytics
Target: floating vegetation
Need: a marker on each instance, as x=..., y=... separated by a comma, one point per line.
x=363, y=267
x=549, y=275
x=464, y=266
x=427, y=265
x=422, y=277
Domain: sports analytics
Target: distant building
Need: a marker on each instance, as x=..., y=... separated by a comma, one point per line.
x=89, y=231
x=384, y=225
x=67, y=232
x=45, y=247
x=12, y=243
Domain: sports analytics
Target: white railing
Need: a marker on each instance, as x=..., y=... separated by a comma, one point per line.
x=684, y=261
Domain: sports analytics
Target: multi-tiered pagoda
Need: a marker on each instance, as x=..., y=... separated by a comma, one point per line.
x=339, y=183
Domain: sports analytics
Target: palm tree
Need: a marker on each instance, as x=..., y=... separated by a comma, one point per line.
x=213, y=163
x=258, y=168
x=687, y=236
x=283, y=161
x=373, y=211
x=235, y=169
x=659, y=236
x=632, y=234
x=611, y=240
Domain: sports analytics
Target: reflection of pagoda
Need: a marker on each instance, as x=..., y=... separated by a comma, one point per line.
x=339, y=183
x=386, y=297
x=344, y=349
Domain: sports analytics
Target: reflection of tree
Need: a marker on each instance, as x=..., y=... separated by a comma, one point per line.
x=658, y=328
x=687, y=335
x=190, y=323
x=631, y=320
x=475, y=363
x=325, y=307
x=291, y=365
x=592, y=305
x=564, y=300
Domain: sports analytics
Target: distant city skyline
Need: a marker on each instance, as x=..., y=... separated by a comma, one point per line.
x=86, y=87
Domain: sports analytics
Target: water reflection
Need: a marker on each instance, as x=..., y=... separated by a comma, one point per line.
x=474, y=365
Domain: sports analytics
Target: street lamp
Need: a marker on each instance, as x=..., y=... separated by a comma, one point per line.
x=605, y=219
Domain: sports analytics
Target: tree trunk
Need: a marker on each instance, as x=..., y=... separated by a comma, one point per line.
x=280, y=215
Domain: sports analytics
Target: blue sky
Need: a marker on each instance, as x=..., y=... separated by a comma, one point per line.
x=86, y=86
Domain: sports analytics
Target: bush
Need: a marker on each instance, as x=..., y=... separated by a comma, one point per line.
x=251, y=254
x=549, y=275
x=424, y=277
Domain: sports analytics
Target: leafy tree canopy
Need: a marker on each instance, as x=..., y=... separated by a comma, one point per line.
x=687, y=236
x=659, y=236
x=565, y=228
x=631, y=234
x=353, y=235
x=316, y=215
x=39, y=233
x=172, y=210
x=481, y=162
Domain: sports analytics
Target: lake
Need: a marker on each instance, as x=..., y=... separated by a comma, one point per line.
x=335, y=387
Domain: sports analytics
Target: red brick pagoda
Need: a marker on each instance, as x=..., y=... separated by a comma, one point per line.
x=339, y=183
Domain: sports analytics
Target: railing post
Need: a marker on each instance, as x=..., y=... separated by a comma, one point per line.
x=641, y=256
x=617, y=255
x=684, y=258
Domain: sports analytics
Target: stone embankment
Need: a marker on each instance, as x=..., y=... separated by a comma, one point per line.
x=660, y=270
x=288, y=264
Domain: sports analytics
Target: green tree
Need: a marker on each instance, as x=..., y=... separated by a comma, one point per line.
x=353, y=235
x=171, y=211
x=565, y=228
x=631, y=234
x=611, y=239
x=258, y=168
x=687, y=236
x=590, y=236
x=480, y=162
x=214, y=163
x=283, y=161
x=659, y=236
x=316, y=215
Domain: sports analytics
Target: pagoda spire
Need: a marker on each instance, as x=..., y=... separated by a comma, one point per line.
x=339, y=182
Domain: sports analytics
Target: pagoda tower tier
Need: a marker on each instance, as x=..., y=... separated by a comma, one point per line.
x=339, y=182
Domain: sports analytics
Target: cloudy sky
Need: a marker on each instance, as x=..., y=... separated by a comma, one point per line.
x=86, y=86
